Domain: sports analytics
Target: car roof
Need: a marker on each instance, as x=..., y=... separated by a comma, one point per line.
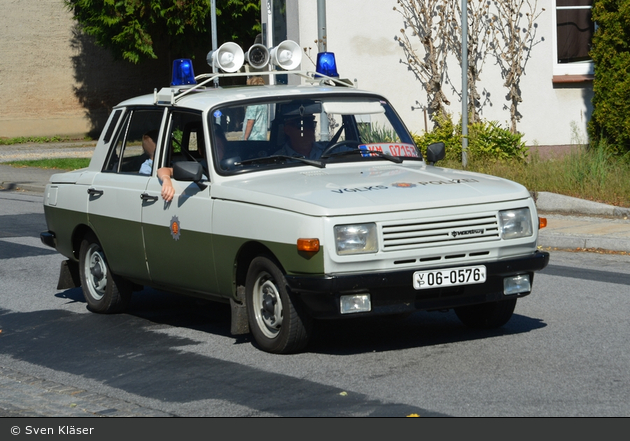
x=205, y=98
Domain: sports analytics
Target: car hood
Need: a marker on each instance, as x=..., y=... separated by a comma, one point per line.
x=358, y=189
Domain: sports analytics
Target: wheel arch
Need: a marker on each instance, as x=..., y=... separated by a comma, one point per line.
x=77, y=236
x=248, y=252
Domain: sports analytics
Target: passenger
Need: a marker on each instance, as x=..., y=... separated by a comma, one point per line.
x=149, y=143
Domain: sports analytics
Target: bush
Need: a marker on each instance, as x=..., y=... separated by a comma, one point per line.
x=487, y=141
x=445, y=131
x=610, y=52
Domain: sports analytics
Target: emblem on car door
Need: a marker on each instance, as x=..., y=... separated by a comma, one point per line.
x=175, y=231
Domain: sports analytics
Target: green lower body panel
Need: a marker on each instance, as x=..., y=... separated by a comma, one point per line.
x=63, y=224
x=199, y=263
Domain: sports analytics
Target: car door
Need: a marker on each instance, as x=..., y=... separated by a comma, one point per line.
x=115, y=196
x=178, y=234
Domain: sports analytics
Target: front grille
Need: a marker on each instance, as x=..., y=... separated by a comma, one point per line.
x=405, y=235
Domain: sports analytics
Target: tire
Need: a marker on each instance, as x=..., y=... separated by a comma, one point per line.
x=278, y=324
x=486, y=315
x=104, y=292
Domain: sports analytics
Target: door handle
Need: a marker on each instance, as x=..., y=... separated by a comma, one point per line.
x=95, y=192
x=148, y=197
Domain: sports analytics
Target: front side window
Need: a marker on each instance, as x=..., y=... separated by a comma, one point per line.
x=307, y=132
x=574, y=31
x=135, y=142
x=185, y=139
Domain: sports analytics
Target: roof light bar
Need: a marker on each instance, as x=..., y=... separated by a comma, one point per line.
x=183, y=73
x=326, y=64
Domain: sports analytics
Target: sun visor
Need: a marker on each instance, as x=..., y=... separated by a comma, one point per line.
x=353, y=107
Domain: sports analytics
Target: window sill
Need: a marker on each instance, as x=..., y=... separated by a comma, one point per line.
x=572, y=79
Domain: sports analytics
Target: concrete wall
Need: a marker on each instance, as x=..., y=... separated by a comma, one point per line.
x=35, y=70
x=362, y=34
x=55, y=81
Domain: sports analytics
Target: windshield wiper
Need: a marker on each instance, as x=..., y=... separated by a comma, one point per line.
x=281, y=158
x=366, y=153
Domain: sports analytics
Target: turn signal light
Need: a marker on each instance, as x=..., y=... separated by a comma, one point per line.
x=308, y=245
x=542, y=222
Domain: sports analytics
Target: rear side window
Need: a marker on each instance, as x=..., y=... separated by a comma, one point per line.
x=136, y=142
x=112, y=125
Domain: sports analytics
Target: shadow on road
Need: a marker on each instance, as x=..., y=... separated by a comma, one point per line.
x=338, y=337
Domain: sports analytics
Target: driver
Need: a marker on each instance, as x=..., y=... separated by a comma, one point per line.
x=300, y=134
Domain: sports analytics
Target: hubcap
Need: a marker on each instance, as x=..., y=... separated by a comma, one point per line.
x=96, y=272
x=268, y=306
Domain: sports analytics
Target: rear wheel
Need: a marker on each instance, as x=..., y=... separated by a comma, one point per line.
x=486, y=315
x=104, y=291
x=278, y=324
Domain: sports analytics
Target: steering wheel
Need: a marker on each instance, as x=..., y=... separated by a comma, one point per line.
x=340, y=144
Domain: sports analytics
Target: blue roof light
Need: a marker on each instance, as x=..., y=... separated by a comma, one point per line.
x=183, y=72
x=326, y=64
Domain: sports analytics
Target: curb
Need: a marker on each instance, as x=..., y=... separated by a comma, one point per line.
x=555, y=203
x=572, y=242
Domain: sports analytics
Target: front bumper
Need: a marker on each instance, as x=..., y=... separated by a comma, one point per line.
x=392, y=292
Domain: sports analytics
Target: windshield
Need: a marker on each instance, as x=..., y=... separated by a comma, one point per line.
x=307, y=132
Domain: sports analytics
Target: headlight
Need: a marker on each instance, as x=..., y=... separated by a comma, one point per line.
x=356, y=239
x=515, y=223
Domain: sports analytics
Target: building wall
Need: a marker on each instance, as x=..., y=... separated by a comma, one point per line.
x=54, y=80
x=35, y=70
x=362, y=36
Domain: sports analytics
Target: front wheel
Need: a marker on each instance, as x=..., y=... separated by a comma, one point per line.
x=486, y=315
x=278, y=324
x=104, y=291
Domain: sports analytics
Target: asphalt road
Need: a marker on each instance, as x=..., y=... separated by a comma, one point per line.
x=564, y=353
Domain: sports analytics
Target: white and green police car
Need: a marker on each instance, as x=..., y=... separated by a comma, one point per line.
x=326, y=210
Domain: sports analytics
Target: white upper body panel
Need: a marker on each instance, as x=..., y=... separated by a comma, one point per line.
x=350, y=189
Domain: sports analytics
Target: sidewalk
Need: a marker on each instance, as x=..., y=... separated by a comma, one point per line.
x=571, y=223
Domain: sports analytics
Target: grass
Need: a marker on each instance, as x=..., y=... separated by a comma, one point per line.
x=41, y=139
x=58, y=163
x=585, y=174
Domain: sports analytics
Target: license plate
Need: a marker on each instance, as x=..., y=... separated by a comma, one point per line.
x=449, y=277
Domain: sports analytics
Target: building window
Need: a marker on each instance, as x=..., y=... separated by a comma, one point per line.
x=573, y=29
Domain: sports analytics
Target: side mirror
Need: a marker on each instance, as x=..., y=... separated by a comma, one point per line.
x=187, y=171
x=436, y=152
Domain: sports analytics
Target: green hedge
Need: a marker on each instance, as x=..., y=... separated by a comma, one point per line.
x=610, y=51
x=487, y=141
